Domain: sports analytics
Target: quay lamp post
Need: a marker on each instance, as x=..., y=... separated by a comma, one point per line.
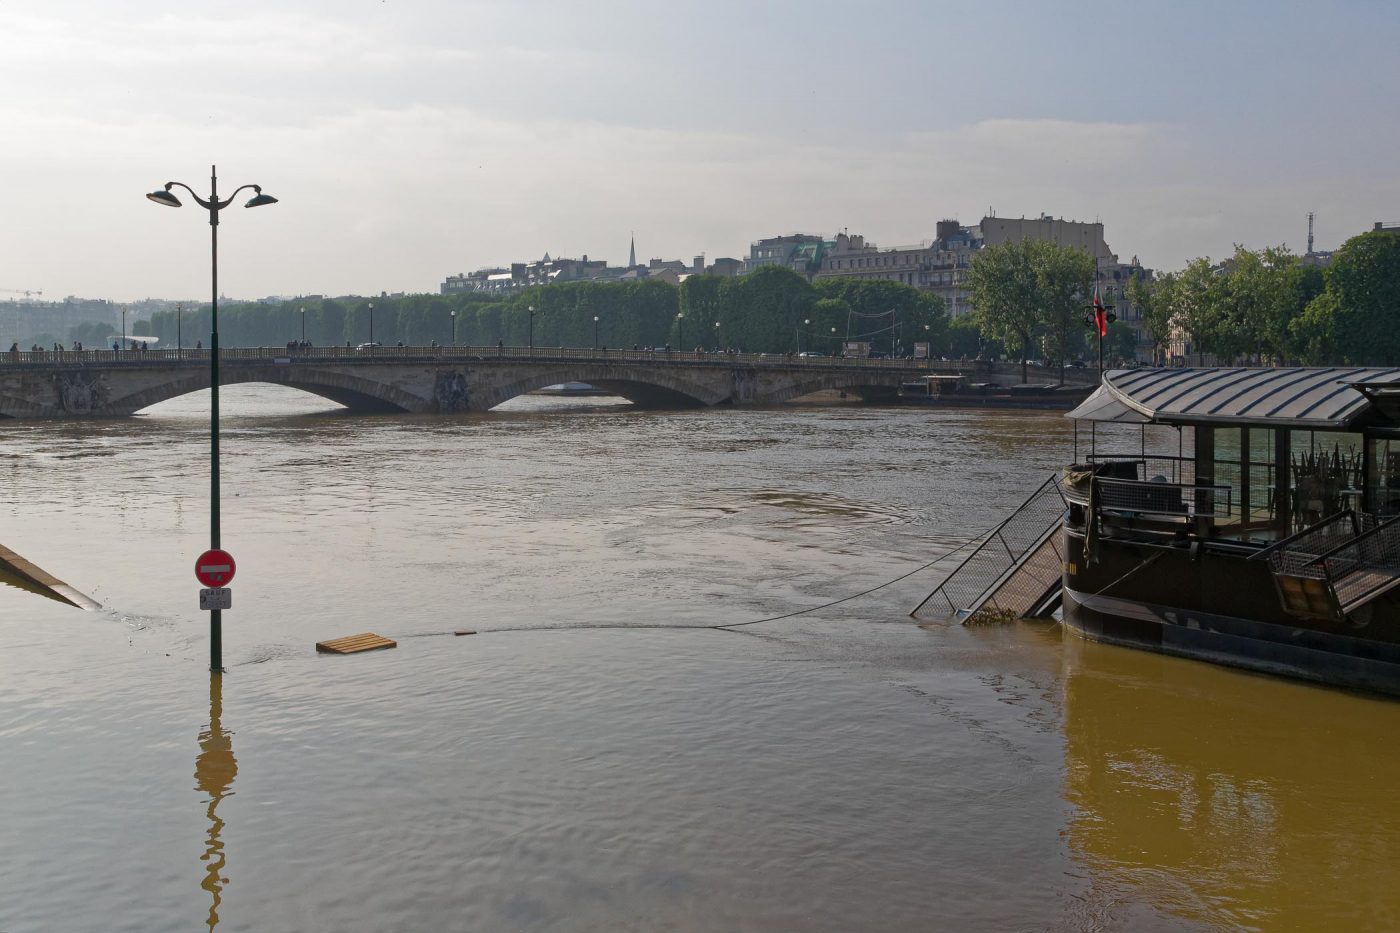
x=454, y=327
x=123, y=343
x=806, y=324
x=213, y=205
x=371, y=327
x=595, y=331
x=532, y=330
x=717, y=346
x=680, y=331
x=179, y=337
x=303, y=325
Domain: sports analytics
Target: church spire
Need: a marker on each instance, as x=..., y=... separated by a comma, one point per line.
x=632, y=253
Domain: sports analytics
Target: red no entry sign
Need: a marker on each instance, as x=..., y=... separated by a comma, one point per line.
x=215, y=568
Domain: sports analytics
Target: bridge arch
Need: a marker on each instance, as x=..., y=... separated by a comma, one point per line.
x=657, y=390
x=351, y=391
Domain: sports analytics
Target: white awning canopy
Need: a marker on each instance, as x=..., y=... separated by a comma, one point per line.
x=1318, y=399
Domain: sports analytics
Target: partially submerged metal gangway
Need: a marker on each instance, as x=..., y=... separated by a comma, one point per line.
x=26, y=575
x=1017, y=569
x=1336, y=567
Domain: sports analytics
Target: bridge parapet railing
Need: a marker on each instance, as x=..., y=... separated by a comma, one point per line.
x=465, y=353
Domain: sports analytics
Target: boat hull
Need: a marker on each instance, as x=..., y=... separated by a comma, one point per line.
x=1267, y=643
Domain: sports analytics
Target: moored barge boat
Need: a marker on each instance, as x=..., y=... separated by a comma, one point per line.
x=955, y=391
x=1269, y=539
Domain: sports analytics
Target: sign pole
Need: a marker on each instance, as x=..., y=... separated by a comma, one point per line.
x=216, y=619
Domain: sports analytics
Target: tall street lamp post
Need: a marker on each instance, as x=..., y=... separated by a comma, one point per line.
x=595, y=331
x=371, y=327
x=454, y=327
x=123, y=343
x=179, y=337
x=680, y=331
x=532, y=330
x=806, y=323
x=303, y=325
x=213, y=205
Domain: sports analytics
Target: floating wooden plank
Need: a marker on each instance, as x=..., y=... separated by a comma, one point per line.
x=18, y=572
x=354, y=644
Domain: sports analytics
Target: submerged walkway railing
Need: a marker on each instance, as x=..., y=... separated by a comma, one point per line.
x=1015, y=568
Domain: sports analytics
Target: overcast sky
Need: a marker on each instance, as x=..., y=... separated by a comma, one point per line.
x=413, y=139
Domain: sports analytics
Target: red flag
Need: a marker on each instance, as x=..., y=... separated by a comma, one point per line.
x=1100, y=313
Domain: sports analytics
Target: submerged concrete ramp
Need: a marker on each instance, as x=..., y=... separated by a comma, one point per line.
x=24, y=574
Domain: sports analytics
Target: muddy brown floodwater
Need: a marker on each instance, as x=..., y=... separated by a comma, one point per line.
x=596, y=759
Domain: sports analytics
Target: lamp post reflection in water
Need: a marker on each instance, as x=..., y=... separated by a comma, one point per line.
x=214, y=771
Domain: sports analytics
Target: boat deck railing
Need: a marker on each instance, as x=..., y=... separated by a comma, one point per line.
x=1183, y=500
x=1122, y=484
x=1147, y=466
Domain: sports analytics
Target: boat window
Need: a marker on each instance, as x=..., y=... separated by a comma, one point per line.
x=1226, y=472
x=1245, y=460
x=1383, y=496
x=1326, y=475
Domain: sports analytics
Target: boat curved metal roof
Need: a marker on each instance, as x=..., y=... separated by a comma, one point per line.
x=1320, y=398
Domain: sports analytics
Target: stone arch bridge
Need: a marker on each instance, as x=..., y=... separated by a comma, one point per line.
x=96, y=383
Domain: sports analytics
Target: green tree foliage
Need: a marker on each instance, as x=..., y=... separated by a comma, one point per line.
x=1002, y=282
x=1154, y=309
x=1255, y=300
x=888, y=315
x=1356, y=318
x=1192, y=298
x=700, y=303
x=760, y=312
x=965, y=340
x=1064, y=280
x=1250, y=307
x=1025, y=288
x=827, y=331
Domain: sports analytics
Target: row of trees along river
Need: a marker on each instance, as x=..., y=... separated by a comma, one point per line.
x=1268, y=306
x=1030, y=299
x=769, y=310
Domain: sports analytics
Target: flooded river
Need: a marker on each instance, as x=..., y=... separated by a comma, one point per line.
x=596, y=759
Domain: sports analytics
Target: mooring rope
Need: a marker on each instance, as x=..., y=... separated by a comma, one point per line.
x=717, y=628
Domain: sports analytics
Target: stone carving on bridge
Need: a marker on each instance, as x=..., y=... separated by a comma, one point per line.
x=450, y=392
x=80, y=393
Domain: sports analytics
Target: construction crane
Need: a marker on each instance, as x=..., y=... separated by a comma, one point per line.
x=26, y=292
